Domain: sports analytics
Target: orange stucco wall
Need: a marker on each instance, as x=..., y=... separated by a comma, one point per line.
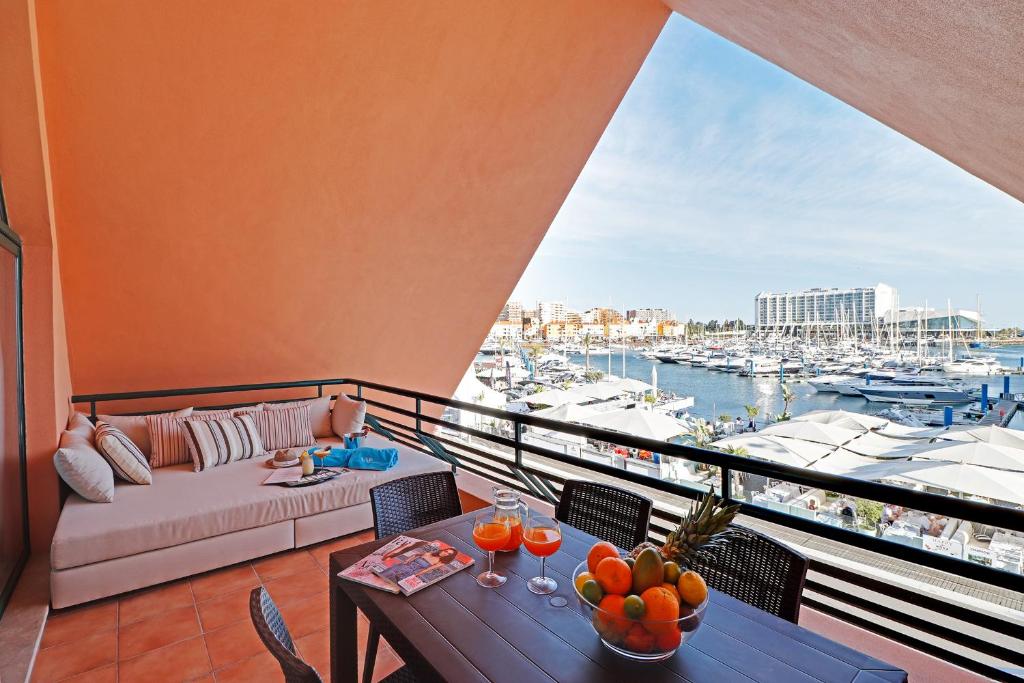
x=25, y=173
x=263, y=190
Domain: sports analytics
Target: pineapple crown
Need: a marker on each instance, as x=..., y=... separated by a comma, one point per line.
x=704, y=527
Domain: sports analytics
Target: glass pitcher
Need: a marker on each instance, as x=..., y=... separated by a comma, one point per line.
x=508, y=505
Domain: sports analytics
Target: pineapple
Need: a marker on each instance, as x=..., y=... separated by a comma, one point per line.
x=705, y=526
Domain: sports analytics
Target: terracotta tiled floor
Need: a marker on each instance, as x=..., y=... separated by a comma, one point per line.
x=198, y=629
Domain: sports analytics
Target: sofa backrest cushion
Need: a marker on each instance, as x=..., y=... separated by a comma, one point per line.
x=124, y=457
x=78, y=423
x=83, y=468
x=319, y=413
x=168, y=436
x=218, y=442
x=347, y=415
x=285, y=428
x=136, y=428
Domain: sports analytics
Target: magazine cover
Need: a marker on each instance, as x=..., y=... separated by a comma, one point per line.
x=362, y=571
x=418, y=564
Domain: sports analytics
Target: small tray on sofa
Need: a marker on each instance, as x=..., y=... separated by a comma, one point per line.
x=313, y=479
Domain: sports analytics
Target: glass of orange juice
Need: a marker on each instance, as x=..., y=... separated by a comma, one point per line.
x=542, y=537
x=491, y=531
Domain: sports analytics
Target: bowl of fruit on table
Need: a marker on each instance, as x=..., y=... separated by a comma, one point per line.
x=642, y=608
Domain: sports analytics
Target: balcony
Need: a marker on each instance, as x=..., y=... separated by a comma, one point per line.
x=935, y=616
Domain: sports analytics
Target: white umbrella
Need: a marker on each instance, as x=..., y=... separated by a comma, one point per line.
x=998, y=436
x=599, y=390
x=554, y=397
x=843, y=418
x=812, y=431
x=876, y=445
x=792, y=452
x=632, y=386
x=971, y=480
x=567, y=412
x=980, y=454
x=643, y=423
x=472, y=390
x=849, y=464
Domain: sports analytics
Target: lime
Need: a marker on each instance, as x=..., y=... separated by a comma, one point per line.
x=672, y=572
x=592, y=592
x=634, y=607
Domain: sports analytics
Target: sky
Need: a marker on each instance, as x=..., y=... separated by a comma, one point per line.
x=722, y=175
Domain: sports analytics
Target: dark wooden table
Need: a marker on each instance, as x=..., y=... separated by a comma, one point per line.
x=457, y=631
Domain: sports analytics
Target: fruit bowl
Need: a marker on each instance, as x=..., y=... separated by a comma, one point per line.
x=641, y=639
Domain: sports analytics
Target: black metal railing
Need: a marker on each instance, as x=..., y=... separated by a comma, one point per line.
x=503, y=461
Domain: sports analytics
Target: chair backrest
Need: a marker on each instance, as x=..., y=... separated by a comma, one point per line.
x=411, y=502
x=757, y=570
x=612, y=514
x=270, y=627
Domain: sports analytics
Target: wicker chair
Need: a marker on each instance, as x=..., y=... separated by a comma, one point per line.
x=405, y=504
x=266, y=618
x=612, y=514
x=759, y=571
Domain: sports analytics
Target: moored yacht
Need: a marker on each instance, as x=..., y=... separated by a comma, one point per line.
x=915, y=395
x=973, y=366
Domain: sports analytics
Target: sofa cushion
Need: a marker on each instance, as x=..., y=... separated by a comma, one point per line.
x=219, y=442
x=319, y=413
x=168, y=436
x=79, y=423
x=136, y=429
x=125, y=458
x=182, y=506
x=285, y=428
x=347, y=415
x=82, y=467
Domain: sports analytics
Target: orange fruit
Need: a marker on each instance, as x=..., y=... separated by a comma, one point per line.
x=669, y=640
x=610, y=620
x=598, y=552
x=582, y=579
x=614, y=576
x=672, y=588
x=692, y=589
x=639, y=639
x=662, y=607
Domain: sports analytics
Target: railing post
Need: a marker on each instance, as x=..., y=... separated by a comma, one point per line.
x=726, y=475
x=519, y=441
x=419, y=409
x=359, y=391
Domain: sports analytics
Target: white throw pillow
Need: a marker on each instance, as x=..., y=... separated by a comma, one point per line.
x=347, y=415
x=125, y=458
x=83, y=469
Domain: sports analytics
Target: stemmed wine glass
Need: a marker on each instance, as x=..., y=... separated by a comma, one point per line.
x=542, y=536
x=491, y=531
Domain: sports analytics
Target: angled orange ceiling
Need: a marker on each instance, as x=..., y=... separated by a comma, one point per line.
x=949, y=75
x=258, y=190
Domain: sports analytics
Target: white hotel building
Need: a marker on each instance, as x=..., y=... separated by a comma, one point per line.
x=816, y=311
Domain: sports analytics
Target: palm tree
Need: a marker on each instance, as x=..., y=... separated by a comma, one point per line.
x=735, y=450
x=752, y=413
x=586, y=351
x=787, y=398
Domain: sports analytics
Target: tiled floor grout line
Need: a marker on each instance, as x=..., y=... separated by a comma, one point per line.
x=202, y=631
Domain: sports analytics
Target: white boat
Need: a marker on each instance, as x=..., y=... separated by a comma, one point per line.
x=760, y=366
x=915, y=395
x=827, y=383
x=973, y=366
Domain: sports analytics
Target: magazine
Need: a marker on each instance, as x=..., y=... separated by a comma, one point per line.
x=362, y=571
x=417, y=564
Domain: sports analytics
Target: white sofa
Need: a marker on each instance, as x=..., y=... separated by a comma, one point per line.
x=189, y=522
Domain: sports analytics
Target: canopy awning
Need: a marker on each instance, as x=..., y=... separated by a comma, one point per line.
x=639, y=422
x=843, y=418
x=828, y=434
x=777, y=449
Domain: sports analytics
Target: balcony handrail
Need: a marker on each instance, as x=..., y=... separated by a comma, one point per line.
x=973, y=511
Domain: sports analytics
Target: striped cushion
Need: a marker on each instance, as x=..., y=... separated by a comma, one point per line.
x=218, y=442
x=168, y=436
x=125, y=458
x=285, y=428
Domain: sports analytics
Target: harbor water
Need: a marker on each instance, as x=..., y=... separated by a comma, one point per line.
x=726, y=393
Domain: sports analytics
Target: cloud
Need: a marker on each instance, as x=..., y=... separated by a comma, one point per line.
x=720, y=163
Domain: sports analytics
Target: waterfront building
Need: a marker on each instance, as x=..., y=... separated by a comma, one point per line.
x=823, y=311
x=512, y=312
x=551, y=311
x=934, y=322
x=505, y=330
x=650, y=315
x=602, y=315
